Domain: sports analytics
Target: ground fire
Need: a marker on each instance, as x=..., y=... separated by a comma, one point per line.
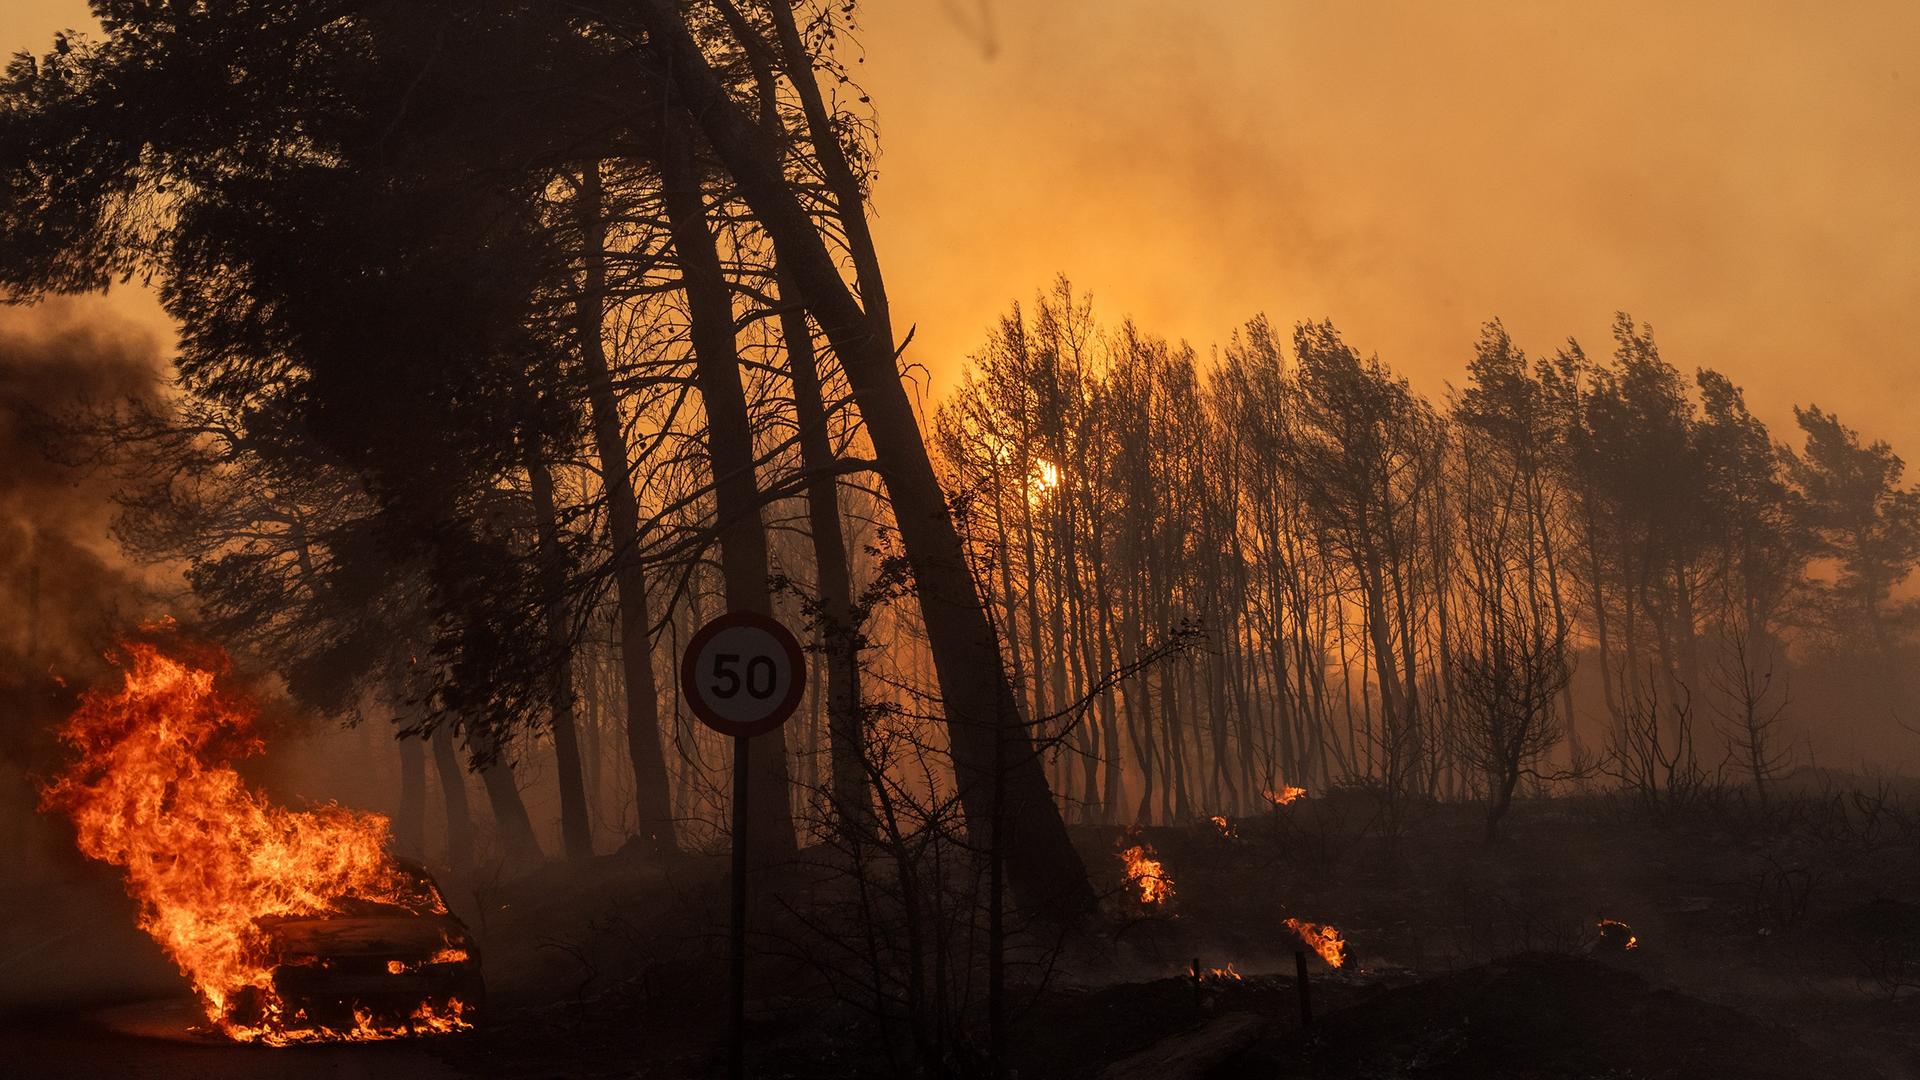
x=1322, y=939
x=294, y=926
x=1284, y=795
x=1615, y=934
x=1222, y=975
x=1144, y=870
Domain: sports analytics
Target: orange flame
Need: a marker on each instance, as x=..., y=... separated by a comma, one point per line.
x=206, y=856
x=1144, y=871
x=1222, y=975
x=1285, y=795
x=1227, y=831
x=1613, y=931
x=1322, y=939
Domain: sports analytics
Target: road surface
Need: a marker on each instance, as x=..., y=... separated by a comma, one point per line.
x=154, y=1041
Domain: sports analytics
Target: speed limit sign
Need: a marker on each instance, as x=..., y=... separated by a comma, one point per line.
x=743, y=674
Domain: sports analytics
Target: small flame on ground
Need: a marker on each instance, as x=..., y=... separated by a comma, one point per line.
x=1283, y=796
x=1222, y=975
x=1144, y=871
x=425, y=1020
x=1227, y=831
x=1322, y=939
x=1613, y=931
x=207, y=857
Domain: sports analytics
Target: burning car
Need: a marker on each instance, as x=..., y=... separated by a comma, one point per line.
x=292, y=925
x=369, y=969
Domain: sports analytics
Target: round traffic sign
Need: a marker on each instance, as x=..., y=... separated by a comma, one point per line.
x=743, y=673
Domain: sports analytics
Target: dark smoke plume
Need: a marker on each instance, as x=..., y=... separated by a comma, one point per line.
x=64, y=591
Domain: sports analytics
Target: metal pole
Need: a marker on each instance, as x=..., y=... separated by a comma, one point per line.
x=737, y=960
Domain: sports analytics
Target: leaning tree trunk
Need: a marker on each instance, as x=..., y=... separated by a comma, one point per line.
x=652, y=796
x=576, y=833
x=839, y=632
x=521, y=847
x=982, y=713
x=743, y=536
x=837, y=171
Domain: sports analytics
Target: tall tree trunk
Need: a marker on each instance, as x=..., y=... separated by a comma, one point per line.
x=591, y=744
x=1036, y=661
x=576, y=833
x=1277, y=649
x=840, y=636
x=1043, y=868
x=1084, y=672
x=520, y=846
x=1386, y=670
x=1058, y=554
x=1543, y=522
x=1140, y=707
x=1003, y=562
x=1239, y=627
x=1598, y=589
x=1173, y=790
x=453, y=795
x=743, y=536
x=410, y=823
x=653, y=806
x=1411, y=715
x=1114, y=783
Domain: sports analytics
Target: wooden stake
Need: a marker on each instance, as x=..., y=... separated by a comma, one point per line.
x=1306, y=992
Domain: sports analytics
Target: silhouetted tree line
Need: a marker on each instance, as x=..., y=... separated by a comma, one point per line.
x=1405, y=595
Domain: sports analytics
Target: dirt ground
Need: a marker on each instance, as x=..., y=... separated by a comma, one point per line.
x=1776, y=946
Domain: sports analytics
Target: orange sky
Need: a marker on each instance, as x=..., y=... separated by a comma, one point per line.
x=1741, y=175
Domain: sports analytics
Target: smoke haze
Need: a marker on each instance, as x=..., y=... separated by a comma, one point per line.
x=59, y=572
x=1735, y=174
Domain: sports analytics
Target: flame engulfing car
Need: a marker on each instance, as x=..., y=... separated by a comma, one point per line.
x=292, y=925
x=367, y=970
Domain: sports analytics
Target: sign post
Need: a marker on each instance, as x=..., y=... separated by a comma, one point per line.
x=742, y=675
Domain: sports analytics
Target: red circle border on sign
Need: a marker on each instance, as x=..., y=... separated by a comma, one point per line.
x=689, y=687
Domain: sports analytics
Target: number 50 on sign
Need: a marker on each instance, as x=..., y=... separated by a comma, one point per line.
x=743, y=673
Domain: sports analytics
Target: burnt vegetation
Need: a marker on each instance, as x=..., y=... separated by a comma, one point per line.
x=520, y=339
